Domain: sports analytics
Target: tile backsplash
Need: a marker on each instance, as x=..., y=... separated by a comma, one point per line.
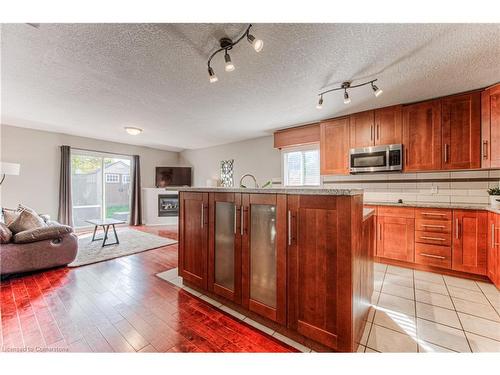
x=438, y=187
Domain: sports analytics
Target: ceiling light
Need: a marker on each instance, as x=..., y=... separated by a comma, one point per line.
x=133, y=131
x=213, y=77
x=227, y=44
x=347, y=100
x=320, y=102
x=229, y=64
x=257, y=44
x=376, y=91
x=347, y=85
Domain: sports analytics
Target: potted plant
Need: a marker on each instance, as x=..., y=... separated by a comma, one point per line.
x=494, y=197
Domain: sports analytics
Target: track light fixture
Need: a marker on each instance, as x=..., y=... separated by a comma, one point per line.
x=227, y=44
x=346, y=86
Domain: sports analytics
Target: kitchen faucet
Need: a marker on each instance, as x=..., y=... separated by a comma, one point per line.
x=248, y=175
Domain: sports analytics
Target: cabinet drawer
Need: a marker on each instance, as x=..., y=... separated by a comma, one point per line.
x=433, y=238
x=437, y=226
x=433, y=213
x=406, y=212
x=433, y=255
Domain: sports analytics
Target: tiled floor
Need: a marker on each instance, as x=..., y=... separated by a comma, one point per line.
x=415, y=311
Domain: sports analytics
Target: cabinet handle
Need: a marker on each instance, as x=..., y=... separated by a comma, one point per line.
x=432, y=256
x=378, y=131
x=498, y=243
x=235, y=223
x=202, y=215
x=432, y=238
x=242, y=220
x=380, y=232
x=289, y=228
x=485, y=149
x=433, y=226
x=446, y=153
x=457, y=229
x=406, y=156
x=371, y=132
x=433, y=214
x=493, y=235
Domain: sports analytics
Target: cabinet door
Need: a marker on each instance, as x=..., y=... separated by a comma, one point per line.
x=334, y=146
x=224, y=247
x=490, y=110
x=362, y=129
x=470, y=230
x=422, y=136
x=461, y=131
x=193, y=235
x=396, y=238
x=264, y=255
x=388, y=125
x=492, y=257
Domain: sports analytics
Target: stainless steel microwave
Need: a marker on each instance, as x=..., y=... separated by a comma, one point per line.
x=376, y=159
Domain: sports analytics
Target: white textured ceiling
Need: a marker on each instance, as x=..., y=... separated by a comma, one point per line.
x=93, y=79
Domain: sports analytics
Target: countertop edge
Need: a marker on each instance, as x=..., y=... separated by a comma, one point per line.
x=288, y=191
x=451, y=206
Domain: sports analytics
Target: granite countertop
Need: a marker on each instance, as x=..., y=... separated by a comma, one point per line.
x=281, y=190
x=367, y=212
x=461, y=206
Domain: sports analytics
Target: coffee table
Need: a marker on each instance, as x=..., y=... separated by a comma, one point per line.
x=105, y=224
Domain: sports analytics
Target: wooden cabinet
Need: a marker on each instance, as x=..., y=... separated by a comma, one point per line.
x=388, y=128
x=297, y=136
x=493, y=254
x=263, y=270
x=379, y=127
x=334, y=146
x=193, y=237
x=470, y=230
x=461, y=131
x=395, y=238
x=320, y=263
x=224, y=245
x=490, y=110
x=362, y=129
x=422, y=136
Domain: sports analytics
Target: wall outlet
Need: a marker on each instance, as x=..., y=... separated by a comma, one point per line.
x=434, y=190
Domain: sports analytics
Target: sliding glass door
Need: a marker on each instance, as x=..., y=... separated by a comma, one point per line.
x=100, y=186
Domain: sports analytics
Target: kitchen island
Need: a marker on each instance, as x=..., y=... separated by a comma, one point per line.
x=296, y=260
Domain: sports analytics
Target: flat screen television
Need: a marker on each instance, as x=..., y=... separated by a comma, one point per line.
x=173, y=176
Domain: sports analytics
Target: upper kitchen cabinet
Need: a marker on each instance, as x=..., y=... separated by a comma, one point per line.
x=379, y=127
x=297, y=136
x=362, y=129
x=388, y=127
x=334, y=146
x=263, y=270
x=193, y=237
x=490, y=107
x=422, y=136
x=461, y=131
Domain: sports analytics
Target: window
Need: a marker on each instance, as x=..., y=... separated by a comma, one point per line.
x=301, y=166
x=112, y=178
x=125, y=179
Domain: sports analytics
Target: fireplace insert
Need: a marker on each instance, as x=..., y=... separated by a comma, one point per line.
x=168, y=205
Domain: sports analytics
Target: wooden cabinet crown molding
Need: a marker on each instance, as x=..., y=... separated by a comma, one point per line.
x=297, y=136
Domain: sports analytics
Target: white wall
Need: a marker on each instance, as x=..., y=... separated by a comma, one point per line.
x=256, y=156
x=38, y=153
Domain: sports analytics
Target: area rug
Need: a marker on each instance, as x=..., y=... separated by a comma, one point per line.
x=131, y=242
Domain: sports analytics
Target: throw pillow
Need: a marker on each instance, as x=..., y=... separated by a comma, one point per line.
x=27, y=219
x=40, y=234
x=5, y=233
x=9, y=215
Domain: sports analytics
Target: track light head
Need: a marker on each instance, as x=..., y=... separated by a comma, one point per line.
x=347, y=99
x=320, y=102
x=213, y=78
x=257, y=44
x=376, y=91
x=229, y=65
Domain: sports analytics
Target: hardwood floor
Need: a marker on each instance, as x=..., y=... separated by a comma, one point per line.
x=119, y=306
